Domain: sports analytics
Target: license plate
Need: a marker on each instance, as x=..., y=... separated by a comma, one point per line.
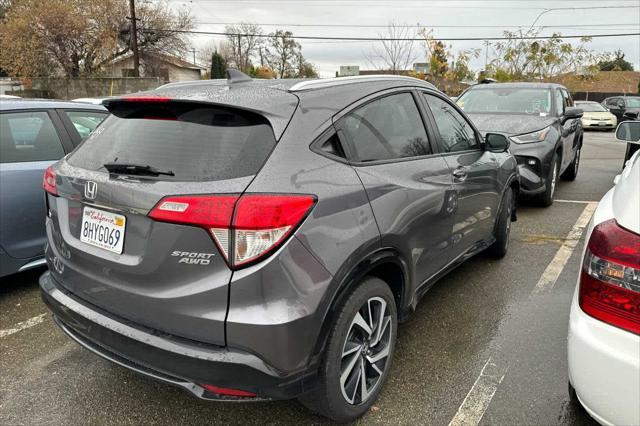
x=602, y=123
x=103, y=229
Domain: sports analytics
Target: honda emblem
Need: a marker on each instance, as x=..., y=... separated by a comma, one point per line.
x=90, y=190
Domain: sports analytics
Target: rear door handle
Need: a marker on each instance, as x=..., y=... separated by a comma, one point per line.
x=459, y=175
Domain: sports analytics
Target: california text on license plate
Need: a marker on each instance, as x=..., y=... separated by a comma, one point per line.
x=103, y=229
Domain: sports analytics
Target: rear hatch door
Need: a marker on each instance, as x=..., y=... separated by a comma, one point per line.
x=104, y=247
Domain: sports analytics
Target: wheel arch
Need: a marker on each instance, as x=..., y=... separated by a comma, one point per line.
x=386, y=264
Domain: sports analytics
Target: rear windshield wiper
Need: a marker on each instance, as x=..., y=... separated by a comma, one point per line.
x=135, y=169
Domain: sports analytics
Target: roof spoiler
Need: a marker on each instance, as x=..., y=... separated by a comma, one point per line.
x=237, y=76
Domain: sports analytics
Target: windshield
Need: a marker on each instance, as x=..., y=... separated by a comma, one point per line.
x=632, y=102
x=504, y=100
x=591, y=107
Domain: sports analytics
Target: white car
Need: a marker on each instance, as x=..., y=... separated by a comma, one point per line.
x=94, y=101
x=604, y=324
x=596, y=116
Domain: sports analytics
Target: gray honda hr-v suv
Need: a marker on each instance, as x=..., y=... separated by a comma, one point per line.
x=262, y=239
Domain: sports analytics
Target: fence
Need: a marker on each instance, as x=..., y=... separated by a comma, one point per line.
x=597, y=96
x=72, y=88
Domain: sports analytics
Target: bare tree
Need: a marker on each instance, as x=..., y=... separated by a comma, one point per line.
x=282, y=52
x=394, y=53
x=244, y=41
x=222, y=47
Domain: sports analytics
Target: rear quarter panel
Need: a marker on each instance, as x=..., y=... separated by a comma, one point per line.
x=290, y=293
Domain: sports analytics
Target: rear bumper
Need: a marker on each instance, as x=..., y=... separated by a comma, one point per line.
x=176, y=361
x=604, y=368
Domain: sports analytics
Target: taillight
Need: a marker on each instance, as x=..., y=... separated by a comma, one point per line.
x=610, y=277
x=49, y=181
x=245, y=228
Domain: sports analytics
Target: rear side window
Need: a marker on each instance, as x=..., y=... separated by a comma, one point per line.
x=387, y=128
x=196, y=142
x=85, y=121
x=28, y=136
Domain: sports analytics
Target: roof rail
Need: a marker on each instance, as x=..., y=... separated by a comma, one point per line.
x=237, y=76
x=337, y=81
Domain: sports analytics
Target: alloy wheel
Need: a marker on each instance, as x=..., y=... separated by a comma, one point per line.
x=365, y=351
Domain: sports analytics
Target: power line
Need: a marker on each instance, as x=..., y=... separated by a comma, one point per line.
x=405, y=4
x=421, y=26
x=395, y=39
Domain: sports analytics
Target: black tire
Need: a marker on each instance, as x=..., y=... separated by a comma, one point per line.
x=328, y=398
x=502, y=230
x=546, y=198
x=572, y=171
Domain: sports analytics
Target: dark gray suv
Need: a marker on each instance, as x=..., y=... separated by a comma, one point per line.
x=262, y=239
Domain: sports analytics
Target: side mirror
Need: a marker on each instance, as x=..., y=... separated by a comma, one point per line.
x=620, y=105
x=495, y=142
x=628, y=131
x=572, y=112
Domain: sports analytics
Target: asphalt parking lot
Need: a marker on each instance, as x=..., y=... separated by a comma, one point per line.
x=490, y=335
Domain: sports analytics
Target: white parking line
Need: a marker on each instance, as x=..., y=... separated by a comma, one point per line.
x=23, y=325
x=479, y=397
x=481, y=393
x=575, y=201
x=557, y=264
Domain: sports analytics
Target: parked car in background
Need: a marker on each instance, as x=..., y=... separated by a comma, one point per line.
x=33, y=135
x=543, y=125
x=596, y=116
x=5, y=97
x=250, y=240
x=623, y=107
x=604, y=324
x=96, y=101
x=630, y=134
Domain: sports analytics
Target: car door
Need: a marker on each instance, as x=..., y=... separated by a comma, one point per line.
x=474, y=171
x=616, y=106
x=79, y=123
x=30, y=141
x=408, y=185
x=569, y=129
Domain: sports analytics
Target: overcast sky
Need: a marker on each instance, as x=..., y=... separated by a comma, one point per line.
x=449, y=19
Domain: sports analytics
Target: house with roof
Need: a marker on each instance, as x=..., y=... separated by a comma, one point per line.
x=167, y=67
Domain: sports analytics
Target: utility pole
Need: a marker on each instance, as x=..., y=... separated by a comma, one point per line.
x=194, y=54
x=486, y=54
x=134, y=39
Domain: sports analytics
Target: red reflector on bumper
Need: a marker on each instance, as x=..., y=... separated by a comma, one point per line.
x=228, y=392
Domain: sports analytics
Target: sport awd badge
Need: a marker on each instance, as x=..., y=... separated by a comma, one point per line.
x=193, y=258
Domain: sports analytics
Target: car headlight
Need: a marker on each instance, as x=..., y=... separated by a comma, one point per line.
x=537, y=136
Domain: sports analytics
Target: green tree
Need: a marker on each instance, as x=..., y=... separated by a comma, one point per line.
x=438, y=62
x=615, y=62
x=218, y=66
x=80, y=37
x=521, y=57
x=461, y=70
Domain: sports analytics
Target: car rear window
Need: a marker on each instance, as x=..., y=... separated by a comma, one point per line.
x=194, y=141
